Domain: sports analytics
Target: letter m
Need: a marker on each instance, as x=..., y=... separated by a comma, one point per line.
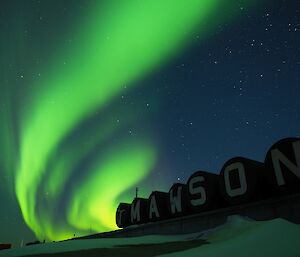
x=135, y=212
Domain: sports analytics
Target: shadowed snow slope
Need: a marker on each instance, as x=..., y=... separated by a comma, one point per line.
x=243, y=238
x=238, y=237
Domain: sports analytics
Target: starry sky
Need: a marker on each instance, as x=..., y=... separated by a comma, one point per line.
x=100, y=97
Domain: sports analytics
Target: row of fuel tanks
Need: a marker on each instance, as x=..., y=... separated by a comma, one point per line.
x=240, y=181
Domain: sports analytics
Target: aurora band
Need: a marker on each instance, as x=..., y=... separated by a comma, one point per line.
x=117, y=43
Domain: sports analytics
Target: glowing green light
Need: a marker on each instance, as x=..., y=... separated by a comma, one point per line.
x=116, y=45
x=120, y=168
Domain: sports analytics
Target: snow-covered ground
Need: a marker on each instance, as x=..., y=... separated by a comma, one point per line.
x=238, y=237
x=242, y=238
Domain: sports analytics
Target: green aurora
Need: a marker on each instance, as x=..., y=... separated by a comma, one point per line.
x=117, y=44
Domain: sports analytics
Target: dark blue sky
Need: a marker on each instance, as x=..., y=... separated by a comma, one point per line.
x=234, y=94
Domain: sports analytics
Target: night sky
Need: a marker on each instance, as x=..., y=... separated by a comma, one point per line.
x=100, y=97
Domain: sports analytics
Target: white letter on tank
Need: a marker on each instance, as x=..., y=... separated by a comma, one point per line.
x=237, y=166
x=278, y=157
x=197, y=190
x=153, y=208
x=175, y=201
x=119, y=216
x=135, y=212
